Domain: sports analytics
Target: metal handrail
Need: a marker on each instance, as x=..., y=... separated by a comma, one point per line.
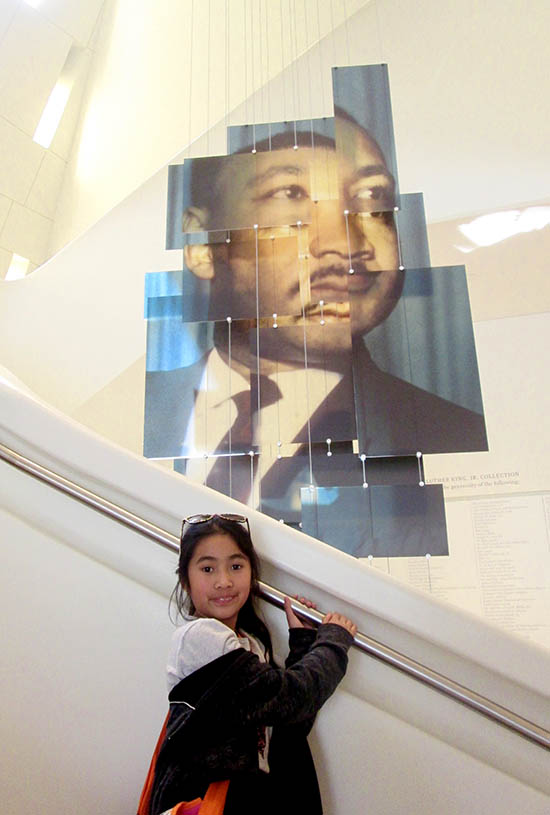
x=411, y=667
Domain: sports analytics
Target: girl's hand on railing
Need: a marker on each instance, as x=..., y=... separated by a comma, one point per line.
x=339, y=619
x=293, y=620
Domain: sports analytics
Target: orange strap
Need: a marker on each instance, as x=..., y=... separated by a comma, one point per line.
x=212, y=804
x=214, y=800
x=145, y=798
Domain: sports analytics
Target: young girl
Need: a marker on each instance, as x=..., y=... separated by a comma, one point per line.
x=234, y=714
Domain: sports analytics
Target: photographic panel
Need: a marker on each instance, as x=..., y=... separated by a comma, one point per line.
x=385, y=405
x=412, y=232
x=268, y=136
x=202, y=408
x=286, y=469
x=255, y=273
x=443, y=361
x=381, y=521
x=299, y=402
x=365, y=143
x=246, y=189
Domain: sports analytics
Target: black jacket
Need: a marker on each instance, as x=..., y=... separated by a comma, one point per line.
x=212, y=730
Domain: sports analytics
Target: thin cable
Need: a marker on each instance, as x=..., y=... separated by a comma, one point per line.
x=230, y=409
x=296, y=75
x=205, y=454
x=309, y=71
x=209, y=71
x=189, y=118
x=319, y=46
x=351, y=270
x=293, y=70
x=332, y=33
x=347, y=31
x=381, y=51
x=258, y=401
x=226, y=68
x=268, y=83
x=253, y=76
x=299, y=225
x=245, y=62
x=283, y=79
x=261, y=116
x=428, y=558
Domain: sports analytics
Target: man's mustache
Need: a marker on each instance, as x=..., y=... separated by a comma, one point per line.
x=332, y=270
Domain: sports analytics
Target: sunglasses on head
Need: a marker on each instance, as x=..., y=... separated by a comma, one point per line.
x=202, y=519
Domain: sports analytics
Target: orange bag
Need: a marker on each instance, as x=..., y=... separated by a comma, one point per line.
x=213, y=802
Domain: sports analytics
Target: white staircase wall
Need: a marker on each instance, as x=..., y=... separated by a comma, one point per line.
x=86, y=630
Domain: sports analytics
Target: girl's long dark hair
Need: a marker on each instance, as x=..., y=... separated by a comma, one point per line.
x=248, y=619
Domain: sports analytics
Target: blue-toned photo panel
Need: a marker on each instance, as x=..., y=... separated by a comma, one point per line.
x=416, y=377
x=310, y=133
x=380, y=521
x=365, y=143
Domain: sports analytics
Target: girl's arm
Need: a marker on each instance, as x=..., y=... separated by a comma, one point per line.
x=266, y=695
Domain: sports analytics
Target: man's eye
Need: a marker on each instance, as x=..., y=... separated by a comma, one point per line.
x=385, y=215
x=376, y=193
x=293, y=192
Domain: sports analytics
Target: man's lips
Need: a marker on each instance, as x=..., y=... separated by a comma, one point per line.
x=338, y=288
x=329, y=308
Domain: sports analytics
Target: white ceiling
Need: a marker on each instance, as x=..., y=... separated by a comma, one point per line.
x=34, y=45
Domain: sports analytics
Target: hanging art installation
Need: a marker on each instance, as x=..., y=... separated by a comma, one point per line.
x=307, y=355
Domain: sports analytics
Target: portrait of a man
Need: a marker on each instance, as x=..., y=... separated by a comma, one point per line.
x=298, y=241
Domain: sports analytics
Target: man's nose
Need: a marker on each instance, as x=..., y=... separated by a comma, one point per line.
x=331, y=232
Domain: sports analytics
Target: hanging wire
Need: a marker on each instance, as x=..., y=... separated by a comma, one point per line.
x=209, y=71
x=300, y=255
x=189, y=112
x=274, y=279
x=321, y=66
x=347, y=31
x=363, y=459
x=378, y=30
x=230, y=409
x=283, y=77
x=332, y=34
x=205, y=454
x=295, y=62
x=351, y=270
x=261, y=116
x=245, y=15
x=292, y=68
x=252, y=78
x=268, y=83
x=226, y=66
x=310, y=94
x=258, y=405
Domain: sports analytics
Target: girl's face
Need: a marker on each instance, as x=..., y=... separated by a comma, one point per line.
x=218, y=578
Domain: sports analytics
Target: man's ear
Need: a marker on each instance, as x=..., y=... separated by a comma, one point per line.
x=197, y=256
x=199, y=260
x=194, y=219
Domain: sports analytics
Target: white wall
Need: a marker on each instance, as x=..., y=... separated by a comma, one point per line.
x=163, y=74
x=471, y=123
x=85, y=602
